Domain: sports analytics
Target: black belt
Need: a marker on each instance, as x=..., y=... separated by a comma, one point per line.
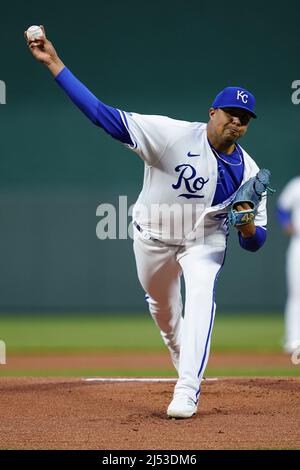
x=145, y=234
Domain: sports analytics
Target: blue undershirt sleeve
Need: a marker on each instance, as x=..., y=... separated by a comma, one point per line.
x=256, y=242
x=284, y=217
x=102, y=115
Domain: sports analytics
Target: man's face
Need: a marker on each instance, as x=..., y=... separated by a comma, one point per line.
x=230, y=124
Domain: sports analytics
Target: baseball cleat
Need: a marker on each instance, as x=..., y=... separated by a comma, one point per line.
x=181, y=406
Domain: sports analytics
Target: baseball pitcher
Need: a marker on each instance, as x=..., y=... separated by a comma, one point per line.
x=197, y=180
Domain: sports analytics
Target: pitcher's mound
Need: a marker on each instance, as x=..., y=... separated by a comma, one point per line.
x=234, y=413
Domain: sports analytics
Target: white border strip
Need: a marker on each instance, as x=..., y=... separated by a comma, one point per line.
x=144, y=379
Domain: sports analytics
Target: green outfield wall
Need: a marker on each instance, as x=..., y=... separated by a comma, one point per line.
x=168, y=58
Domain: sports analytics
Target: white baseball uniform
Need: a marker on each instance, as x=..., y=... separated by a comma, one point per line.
x=289, y=202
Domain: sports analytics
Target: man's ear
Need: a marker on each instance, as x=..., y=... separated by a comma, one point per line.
x=212, y=112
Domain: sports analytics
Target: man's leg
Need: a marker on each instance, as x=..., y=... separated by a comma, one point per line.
x=292, y=310
x=159, y=274
x=201, y=265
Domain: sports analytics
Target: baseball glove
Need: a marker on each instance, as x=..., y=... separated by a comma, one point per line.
x=252, y=193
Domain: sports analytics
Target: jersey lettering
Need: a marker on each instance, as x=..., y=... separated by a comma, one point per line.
x=189, y=180
x=221, y=216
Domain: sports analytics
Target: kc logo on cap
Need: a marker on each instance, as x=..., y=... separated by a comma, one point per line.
x=241, y=94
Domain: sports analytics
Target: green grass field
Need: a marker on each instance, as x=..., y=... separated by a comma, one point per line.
x=137, y=333
x=245, y=332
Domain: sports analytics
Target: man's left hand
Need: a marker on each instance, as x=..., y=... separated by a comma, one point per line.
x=247, y=230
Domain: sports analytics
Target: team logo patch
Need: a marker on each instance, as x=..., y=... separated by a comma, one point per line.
x=189, y=181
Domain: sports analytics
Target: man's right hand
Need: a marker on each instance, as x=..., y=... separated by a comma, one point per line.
x=43, y=50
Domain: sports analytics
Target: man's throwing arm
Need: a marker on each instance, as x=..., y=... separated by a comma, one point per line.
x=102, y=115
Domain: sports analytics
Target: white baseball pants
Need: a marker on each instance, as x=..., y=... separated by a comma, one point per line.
x=159, y=268
x=292, y=310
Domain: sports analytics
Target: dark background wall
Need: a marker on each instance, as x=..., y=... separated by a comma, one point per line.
x=159, y=57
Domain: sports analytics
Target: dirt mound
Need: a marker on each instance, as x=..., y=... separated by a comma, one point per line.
x=58, y=413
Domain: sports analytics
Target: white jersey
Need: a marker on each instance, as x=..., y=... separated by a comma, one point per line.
x=289, y=201
x=180, y=172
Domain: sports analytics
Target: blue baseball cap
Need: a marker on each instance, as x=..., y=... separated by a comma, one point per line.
x=235, y=97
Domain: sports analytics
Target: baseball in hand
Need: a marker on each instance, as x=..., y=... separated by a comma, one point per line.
x=34, y=32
